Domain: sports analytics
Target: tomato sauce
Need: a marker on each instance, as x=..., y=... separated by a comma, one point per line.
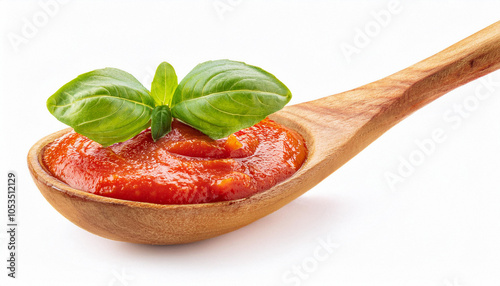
x=183, y=167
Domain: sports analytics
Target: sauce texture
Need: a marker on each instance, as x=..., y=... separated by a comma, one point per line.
x=183, y=167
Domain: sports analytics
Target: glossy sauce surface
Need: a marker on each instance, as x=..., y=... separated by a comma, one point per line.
x=183, y=167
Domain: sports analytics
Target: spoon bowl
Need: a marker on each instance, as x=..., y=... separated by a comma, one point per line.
x=335, y=129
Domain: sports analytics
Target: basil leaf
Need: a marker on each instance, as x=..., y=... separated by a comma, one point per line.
x=222, y=97
x=161, y=121
x=164, y=84
x=106, y=105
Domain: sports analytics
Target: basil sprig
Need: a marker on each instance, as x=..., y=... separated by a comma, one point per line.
x=216, y=97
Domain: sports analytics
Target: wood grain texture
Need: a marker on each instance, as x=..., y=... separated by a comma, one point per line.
x=336, y=128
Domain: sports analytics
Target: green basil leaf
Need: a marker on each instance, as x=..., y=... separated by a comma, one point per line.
x=164, y=84
x=222, y=97
x=106, y=105
x=161, y=121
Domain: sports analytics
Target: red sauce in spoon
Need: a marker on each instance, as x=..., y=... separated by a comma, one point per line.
x=183, y=167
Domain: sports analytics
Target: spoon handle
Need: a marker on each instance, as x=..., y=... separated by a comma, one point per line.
x=372, y=109
x=341, y=125
x=472, y=57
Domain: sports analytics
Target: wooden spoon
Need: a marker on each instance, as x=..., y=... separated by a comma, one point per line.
x=335, y=128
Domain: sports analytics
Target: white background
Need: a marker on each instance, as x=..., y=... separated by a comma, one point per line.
x=439, y=226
